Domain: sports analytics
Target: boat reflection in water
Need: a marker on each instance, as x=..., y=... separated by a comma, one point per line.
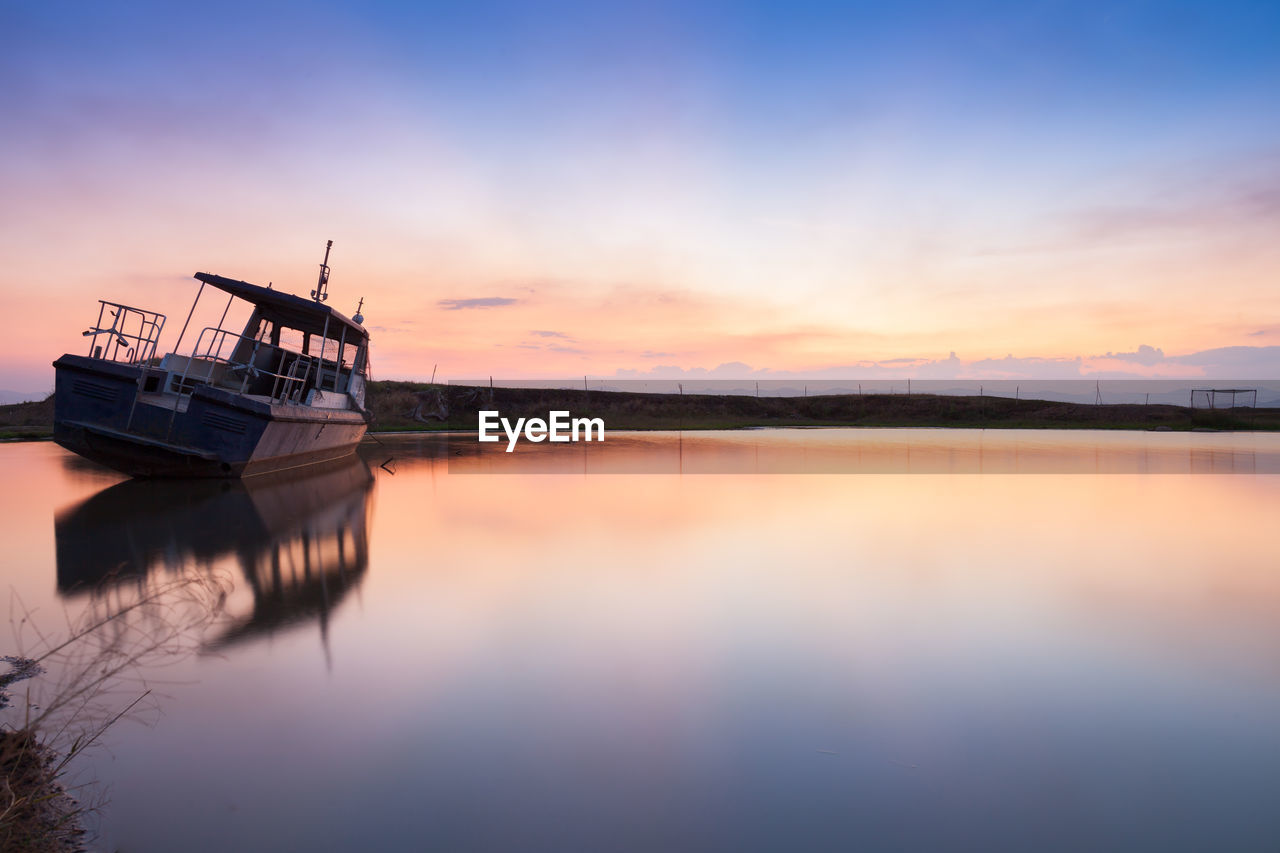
x=300, y=542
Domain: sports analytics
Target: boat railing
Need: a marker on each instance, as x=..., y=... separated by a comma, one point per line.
x=288, y=384
x=131, y=336
x=288, y=378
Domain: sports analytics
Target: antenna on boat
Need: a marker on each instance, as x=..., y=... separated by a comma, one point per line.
x=320, y=294
x=359, y=318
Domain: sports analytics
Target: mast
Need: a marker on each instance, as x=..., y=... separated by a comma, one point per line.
x=321, y=293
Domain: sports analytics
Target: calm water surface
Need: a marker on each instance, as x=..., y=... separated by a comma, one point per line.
x=437, y=660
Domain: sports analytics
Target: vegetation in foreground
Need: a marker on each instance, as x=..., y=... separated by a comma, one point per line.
x=36, y=812
x=400, y=406
x=75, y=686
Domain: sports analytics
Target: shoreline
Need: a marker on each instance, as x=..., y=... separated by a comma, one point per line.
x=1074, y=427
x=415, y=408
x=456, y=431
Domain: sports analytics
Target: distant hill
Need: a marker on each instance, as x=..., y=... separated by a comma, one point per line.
x=8, y=398
x=400, y=406
x=27, y=420
x=416, y=406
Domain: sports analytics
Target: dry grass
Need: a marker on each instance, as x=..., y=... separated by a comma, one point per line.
x=77, y=682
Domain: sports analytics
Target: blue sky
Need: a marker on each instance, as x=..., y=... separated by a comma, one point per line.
x=795, y=186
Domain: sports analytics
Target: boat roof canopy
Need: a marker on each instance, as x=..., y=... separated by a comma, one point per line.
x=294, y=312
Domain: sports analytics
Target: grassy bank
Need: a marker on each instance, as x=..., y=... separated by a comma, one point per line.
x=416, y=406
x=400, y=406
x=27, y=420
x=71, y=680
x=36, y=814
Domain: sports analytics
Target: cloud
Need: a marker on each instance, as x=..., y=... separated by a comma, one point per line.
x=1032, y=367
x=553, y=347
x=1252, y=200
x=481, y=302
x=542, y=333
x=1144, y=355
x=1235, y=361
x=733, y=369
x=1146, y=362
x=1238, y=199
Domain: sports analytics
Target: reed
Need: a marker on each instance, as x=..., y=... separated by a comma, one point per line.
x=76, y=683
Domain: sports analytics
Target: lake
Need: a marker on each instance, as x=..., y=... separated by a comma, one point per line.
x=781, y=640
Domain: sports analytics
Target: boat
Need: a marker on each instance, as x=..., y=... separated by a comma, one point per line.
x=286, y=391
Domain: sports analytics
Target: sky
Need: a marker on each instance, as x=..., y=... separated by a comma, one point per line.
x=970, y=189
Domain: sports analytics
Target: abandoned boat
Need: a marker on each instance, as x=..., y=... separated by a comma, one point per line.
x=286, y=391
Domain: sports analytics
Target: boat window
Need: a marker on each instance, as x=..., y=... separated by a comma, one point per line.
x=349, y=352
x=290, y=339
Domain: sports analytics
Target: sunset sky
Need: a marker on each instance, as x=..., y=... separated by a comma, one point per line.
x=559, y=189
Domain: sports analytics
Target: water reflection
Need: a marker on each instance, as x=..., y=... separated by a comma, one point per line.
x=873, y=451
x=699, y=663
x=299, y=542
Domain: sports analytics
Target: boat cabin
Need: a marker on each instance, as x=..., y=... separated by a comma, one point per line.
x=292, y=350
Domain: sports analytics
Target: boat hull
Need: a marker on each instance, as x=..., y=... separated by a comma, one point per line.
x=102, y=412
